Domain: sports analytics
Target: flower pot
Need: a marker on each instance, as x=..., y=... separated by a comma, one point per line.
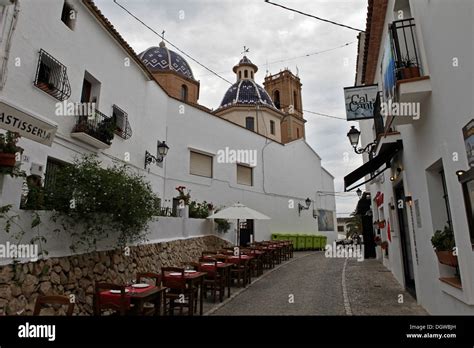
x=409, y=73
x=7, y=159
x=447, y=258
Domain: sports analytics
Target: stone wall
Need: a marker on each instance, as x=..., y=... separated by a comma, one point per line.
x=20, y=284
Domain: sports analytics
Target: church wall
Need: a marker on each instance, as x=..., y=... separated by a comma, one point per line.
x=284, y=176
x=172, y=84
x=262, y=126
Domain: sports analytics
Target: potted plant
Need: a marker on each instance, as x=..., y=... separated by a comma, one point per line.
x=9, y=149
x=408, y=69
x=444, y=245
x=382, y=224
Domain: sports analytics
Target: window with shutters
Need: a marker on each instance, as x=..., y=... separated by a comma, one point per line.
x=200, y=164
x=244, y=175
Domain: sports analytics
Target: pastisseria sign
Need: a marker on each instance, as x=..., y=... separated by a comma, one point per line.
x=26, y=125
x=360, y=102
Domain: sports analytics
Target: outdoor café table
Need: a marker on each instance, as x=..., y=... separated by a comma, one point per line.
x=193, y=279
x=224, y=269
x=138, y=297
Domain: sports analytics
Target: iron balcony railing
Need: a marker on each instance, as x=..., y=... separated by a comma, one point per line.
x=405, y=48
x=51, y=77
x=97, y=125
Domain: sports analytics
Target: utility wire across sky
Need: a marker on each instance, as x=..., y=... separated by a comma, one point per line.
x=315, y=17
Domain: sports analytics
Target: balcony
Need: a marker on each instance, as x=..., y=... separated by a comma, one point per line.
x=94, y=128
x=412, y=85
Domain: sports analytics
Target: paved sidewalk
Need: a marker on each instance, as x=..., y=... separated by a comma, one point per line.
x=311, y=284
x=373, y=290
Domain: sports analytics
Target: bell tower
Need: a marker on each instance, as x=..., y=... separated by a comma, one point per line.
x=285, y=90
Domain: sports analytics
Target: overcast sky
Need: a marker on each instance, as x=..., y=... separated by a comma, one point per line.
x=214, y=32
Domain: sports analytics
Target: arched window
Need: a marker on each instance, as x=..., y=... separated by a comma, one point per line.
x=249, y=123
x=246, y=73
x=240, y=75
x=295, y=100
x=276, y=98
x=184, y=93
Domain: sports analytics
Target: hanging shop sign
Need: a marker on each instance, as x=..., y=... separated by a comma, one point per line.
x=15, y=120
x=360, y=102
x=468, y=134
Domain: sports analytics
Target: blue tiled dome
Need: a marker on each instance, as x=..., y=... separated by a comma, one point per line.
x=246, y=92
x=162, y=59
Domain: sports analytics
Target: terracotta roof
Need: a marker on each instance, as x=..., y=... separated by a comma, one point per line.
x=376, y=11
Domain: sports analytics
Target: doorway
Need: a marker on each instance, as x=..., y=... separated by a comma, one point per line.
x=246, y=232
x=405, y=241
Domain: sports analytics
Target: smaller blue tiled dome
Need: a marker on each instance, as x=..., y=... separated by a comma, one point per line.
x=162, y=59
x=246, y=92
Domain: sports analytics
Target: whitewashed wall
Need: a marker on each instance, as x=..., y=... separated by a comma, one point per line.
x=162, y=229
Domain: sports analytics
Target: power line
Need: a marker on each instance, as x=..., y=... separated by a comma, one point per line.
x=170, y=43
x=312, y=54
x=302, y=56
x=325, y=115
x=312, y=16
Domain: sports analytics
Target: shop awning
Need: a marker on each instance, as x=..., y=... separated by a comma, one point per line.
x=386, y=153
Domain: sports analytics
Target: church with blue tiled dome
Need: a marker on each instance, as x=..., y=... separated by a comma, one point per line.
x=246, y=91
x=162, y=59
x=172, y=72
x=273, y=111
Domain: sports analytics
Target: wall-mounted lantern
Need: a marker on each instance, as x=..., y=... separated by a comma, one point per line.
x=302, y=207
x=162, y=151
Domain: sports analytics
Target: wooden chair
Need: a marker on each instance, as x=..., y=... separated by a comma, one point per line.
x=239, y=272
x=149, y=308
x=43, y=301
x=213, y=281
x=178, y=294
x=121, y=308
x=156, y=277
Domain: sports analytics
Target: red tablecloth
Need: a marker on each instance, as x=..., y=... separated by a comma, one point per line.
x=108, y=297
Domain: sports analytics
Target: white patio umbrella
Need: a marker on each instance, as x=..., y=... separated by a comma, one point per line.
x=237, y=212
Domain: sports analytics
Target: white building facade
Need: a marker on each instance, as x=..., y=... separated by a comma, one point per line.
x=425, y=148
x=90, y=63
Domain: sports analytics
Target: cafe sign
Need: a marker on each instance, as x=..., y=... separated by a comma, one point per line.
x=28, y=126
x=360, y=102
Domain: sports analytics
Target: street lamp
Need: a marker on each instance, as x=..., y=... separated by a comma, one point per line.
x=162, y=151
x=354, y=136
x=302, y=207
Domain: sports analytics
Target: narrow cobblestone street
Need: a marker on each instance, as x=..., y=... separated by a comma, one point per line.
x=311, y=284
